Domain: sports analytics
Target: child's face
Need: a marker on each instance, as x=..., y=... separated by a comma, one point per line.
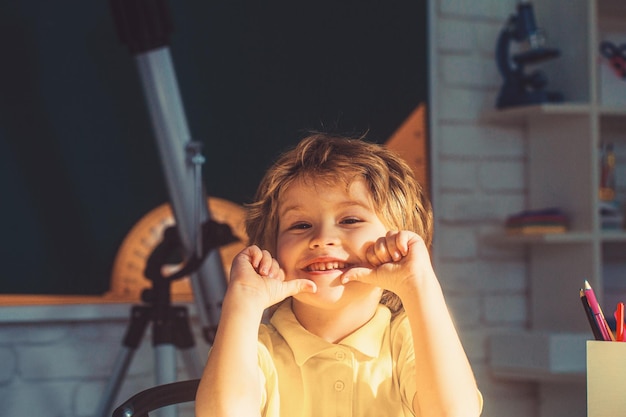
x=322, y=232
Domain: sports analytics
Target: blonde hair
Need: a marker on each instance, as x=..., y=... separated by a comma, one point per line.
x=398, y=198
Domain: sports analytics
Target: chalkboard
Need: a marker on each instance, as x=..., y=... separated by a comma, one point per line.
x=79, y=164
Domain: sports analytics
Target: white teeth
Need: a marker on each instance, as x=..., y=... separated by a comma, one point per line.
x=326, y=266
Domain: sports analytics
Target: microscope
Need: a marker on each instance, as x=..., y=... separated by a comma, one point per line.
x=519, y=88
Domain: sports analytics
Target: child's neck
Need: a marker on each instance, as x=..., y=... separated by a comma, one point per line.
x=334, y=325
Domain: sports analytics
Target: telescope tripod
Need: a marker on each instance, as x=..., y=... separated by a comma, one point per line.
x=145, y=26
x=170, y=324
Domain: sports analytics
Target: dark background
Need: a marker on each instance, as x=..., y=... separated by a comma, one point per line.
x=78, y=161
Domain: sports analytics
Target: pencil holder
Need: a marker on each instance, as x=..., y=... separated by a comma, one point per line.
x=606, y=372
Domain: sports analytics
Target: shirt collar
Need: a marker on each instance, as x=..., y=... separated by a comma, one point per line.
x=305, y=345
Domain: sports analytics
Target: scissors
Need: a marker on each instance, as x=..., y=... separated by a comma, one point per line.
x=616, y=54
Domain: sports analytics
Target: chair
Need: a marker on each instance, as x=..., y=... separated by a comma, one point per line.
x=146, y=401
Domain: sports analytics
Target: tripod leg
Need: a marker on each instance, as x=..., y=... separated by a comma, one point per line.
x=171, y=331
x=212, y=280
x=119, y=372
x=183, y=339
x=132, y=339
x=193, y=364
x=165, y=356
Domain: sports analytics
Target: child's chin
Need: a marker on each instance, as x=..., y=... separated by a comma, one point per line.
x=323, y=295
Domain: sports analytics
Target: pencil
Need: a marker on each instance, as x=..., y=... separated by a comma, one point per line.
x=597, y=333
x=597, y=312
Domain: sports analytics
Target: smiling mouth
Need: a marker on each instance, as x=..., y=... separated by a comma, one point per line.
x=326, y=266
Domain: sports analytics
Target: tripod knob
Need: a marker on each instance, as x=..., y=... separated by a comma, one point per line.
x=147, y=296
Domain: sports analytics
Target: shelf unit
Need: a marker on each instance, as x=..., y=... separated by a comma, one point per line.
x=563, y=171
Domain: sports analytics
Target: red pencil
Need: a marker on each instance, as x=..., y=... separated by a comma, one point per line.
x=619, y=323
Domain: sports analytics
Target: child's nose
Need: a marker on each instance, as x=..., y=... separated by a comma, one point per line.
x=324, y=236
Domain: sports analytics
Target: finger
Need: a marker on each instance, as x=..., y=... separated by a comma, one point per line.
x=394, y=245
x=276, y=271
x=374, y=252
x=402, y=241
x=357, y=274
x=297, y=286
x=379, y=252
x=381, y=248
x=266, y=263
x=255, y=255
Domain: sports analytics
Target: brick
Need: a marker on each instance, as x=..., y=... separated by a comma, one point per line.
x=482, y=277
x=494, y=248
x=506, y=309
x=64, y=361
x=458, y=175
x=465, y=310
x=455, y=207
x=455, y=35
x=77, y=357
x=463, y=104
x=474, y=340
x=474, y=10
x=51, y=399
x=474, y=71
x=502, y=176
x=486, y=35
x=97, y=332
x=505, y=397
x=32, y=334
x=88, y=395
x=499, y=277
x=8, y=369
x=473, y=141
x=460, y=243
x=458, y=277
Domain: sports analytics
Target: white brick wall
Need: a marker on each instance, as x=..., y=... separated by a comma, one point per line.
x=480, y=171
x=60, y=369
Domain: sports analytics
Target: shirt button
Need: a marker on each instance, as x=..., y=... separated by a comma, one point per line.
x=340, y=356
x=339, y=385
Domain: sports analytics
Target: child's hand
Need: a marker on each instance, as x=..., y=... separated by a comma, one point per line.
x=399, y=261
x=258, y=273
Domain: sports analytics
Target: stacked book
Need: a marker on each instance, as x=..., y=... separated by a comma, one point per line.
x=611, y=215
x=549, y=220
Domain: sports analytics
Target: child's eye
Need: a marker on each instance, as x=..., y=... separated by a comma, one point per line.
x=299, y=226
x=351, y=220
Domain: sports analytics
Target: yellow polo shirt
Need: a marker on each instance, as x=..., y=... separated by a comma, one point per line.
x=369, y=373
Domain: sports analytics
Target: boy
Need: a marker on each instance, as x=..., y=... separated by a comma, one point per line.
x=339, y=233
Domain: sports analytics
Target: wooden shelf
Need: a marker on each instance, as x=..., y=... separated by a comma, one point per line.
x=613, y=236
x=519, y=115
x=605, y=236
x=540, y=356
x=617, y=111
x=568, y=237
